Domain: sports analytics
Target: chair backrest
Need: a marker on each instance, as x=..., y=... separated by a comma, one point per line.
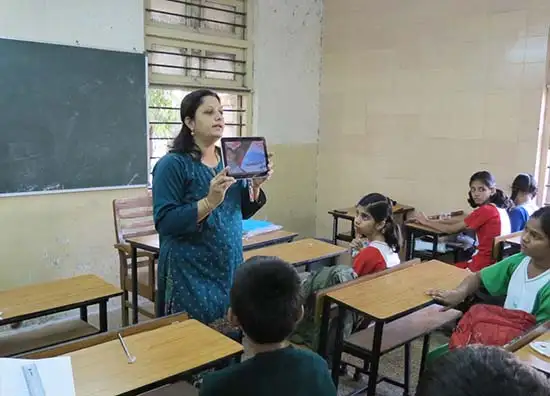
x=500, y=240
x=321, y=293
x=101, y=338
x=133, y=217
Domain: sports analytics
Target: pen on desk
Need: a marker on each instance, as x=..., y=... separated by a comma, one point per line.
x=131, y=359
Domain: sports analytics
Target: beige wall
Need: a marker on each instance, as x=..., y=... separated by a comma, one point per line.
x=417, y=95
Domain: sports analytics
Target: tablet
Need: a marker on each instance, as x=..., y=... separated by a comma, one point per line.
x=246, y=157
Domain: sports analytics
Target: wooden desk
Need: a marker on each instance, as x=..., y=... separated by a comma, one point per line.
x=349, y=214
x=151, y=243
x=33, y=301
x=528, y=355
x=298, y=253
x=162, y=355
x=414, y=230
x=385, y=299
x=506, y=245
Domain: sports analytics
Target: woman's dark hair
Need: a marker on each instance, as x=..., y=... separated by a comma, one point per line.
x=185, y=142
x=499, y=198
x=525, y=183
x=380, y=208
x=479, y=370
x=543, y=214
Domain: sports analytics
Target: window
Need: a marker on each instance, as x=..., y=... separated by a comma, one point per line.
x=164, y=117
x=194, y=44
x=543, y=158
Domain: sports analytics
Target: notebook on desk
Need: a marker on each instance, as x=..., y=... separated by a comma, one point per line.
x=54, y=377
x=253, y=227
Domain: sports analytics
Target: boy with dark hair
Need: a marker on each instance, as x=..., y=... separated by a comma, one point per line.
x=266, y=305
x=481, y=371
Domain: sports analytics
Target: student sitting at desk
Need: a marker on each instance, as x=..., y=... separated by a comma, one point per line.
x=377, y=244
x=266, y=304
x=489, y=219
x=481, y=371
x=524, y=191
x=523, y=278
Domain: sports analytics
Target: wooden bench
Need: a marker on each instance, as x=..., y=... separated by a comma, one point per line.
x=400, y=332
x=33, y=301
x=176, y=389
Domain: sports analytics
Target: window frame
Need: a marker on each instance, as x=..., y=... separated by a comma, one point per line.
x=179, y=35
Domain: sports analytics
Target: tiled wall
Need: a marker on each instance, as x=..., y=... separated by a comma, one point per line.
x=417, y=95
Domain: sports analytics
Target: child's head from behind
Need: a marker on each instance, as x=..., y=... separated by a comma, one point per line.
x=535, y=240
x=481, y=371
x=375, y=217
x=265, y=299
x=483, y=190
x=524, y=188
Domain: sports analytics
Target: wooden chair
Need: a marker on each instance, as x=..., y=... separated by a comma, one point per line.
x=500, y=246
x=134, y=217
x=178, y=388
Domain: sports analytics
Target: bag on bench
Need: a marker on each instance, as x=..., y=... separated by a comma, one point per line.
x=307, y=331
x=490, y=325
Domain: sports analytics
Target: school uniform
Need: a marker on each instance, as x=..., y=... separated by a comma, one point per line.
x=376, y=256
x=520, y=214
x=488, y=222
x=509, y=278
x=289, y=371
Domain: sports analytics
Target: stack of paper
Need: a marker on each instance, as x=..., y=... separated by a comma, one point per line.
x=253, y=227
x=55, y=377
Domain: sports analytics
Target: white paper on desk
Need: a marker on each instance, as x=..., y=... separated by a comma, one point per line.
x=55, y=373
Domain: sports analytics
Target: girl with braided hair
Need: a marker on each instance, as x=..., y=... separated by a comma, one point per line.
x=378, y=238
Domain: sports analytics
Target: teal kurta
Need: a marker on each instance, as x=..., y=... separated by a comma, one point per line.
x=197, y=260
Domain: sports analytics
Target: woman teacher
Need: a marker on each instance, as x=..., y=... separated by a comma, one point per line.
x=198, y=212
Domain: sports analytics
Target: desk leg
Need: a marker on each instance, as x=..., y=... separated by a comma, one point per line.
x=376, y=347
x=84, y=314
x=409, y=251
x=103, y=316
x=334, y=229
x=323, y=331
x=133, y=273
x=338, y=346
x=425, y=349
x=435, y=246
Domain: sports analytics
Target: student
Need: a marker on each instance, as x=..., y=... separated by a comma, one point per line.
x=266, y=305
x=523, y=278
x=377, y=244
x=489, y=219
x=481, y=371
x=524, y=191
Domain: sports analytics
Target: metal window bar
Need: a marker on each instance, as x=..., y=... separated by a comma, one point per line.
x=241, y=110
x=200, y=19
x=179, y=123
x=200, y=69
x=197, y=68
x=196, y=56
x=235, y=12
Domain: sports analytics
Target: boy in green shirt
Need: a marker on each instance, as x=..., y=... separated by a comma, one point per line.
x=523, y=278
x=265, y=304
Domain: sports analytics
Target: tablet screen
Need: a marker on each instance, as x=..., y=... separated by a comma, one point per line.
x=245, y=157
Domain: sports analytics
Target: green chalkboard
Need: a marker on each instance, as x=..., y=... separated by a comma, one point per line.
x=71, y=118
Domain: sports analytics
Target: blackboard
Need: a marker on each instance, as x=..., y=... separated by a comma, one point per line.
x=71, y=118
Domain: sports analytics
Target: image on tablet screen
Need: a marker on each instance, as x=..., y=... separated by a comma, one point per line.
x=246, y=157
